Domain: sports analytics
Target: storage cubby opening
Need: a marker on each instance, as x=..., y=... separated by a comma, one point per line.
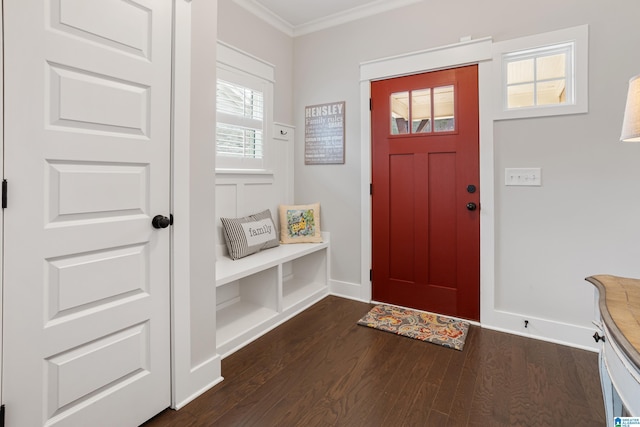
x=305, y=276
x=245, y=304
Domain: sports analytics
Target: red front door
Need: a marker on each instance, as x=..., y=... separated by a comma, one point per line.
x=426, y=196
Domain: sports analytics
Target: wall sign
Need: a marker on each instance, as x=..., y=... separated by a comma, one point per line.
x=324, y=134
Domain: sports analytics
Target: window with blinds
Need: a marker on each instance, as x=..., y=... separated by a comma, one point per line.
x=244, y=111
x=240, y=121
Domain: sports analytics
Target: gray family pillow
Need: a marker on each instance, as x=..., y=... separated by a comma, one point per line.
x=248, y=235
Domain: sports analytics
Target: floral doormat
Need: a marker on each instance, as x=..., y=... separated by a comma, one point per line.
x=419, y=325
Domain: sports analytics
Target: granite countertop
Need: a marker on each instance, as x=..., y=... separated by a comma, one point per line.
x=619, y=304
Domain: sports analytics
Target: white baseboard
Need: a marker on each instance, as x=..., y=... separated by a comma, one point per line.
x=346, y=290
x=542, y=329
x=208, y=369
x=197, y=394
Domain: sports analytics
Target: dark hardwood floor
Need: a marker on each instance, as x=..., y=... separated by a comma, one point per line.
x=321, y=369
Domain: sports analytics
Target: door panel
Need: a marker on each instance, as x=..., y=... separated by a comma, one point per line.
x=75, y=102
x=402, y=221
x=87, y=156
x=97, y=23
x=109, y=190
x=441, y=215
x=424, y=155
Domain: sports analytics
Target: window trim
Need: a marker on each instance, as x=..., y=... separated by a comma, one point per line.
x=248, y=69
x=579, y=37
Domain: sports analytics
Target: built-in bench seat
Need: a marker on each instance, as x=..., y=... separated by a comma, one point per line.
x=256, y=293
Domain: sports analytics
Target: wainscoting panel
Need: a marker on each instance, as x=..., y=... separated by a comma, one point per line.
x=238, y=195
x=245, y=192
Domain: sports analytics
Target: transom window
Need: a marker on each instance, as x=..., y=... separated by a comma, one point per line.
x=538, y=77
x=542, y=74
x=423, y=111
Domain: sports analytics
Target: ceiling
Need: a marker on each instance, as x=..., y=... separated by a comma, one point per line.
x=298, y=17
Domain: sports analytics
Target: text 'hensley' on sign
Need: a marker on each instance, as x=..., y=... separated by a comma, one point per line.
x=324, y=110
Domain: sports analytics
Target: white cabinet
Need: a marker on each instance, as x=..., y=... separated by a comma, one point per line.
x=616, y=317
x=256, y=293
x=623, y=378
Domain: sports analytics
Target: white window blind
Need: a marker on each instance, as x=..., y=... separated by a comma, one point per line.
x=240, y=121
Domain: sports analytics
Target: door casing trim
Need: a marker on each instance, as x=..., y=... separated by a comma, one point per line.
x=464, y=53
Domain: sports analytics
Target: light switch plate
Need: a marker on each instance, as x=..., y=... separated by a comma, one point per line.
x=530, y=177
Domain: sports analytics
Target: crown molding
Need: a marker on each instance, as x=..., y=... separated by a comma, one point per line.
x=349, y=15
x=267, y=15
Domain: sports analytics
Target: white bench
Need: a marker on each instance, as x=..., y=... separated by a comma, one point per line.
x=257, y=293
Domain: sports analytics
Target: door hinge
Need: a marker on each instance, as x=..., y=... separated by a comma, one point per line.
x=371, y=275
x=370, y=104
x=4, y=194
x=371, y=189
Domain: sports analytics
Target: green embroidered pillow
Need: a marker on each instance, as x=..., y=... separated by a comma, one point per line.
x=300, y=223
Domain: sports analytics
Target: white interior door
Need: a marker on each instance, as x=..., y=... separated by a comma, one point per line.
x=86, y=276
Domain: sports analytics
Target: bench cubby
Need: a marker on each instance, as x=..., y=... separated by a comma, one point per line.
x=256, y=293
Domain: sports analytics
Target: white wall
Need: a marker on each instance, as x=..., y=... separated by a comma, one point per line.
x=582, y=221
x=196, y=365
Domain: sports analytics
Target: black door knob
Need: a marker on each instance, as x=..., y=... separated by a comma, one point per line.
x=471, y=206
x=160, y=221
